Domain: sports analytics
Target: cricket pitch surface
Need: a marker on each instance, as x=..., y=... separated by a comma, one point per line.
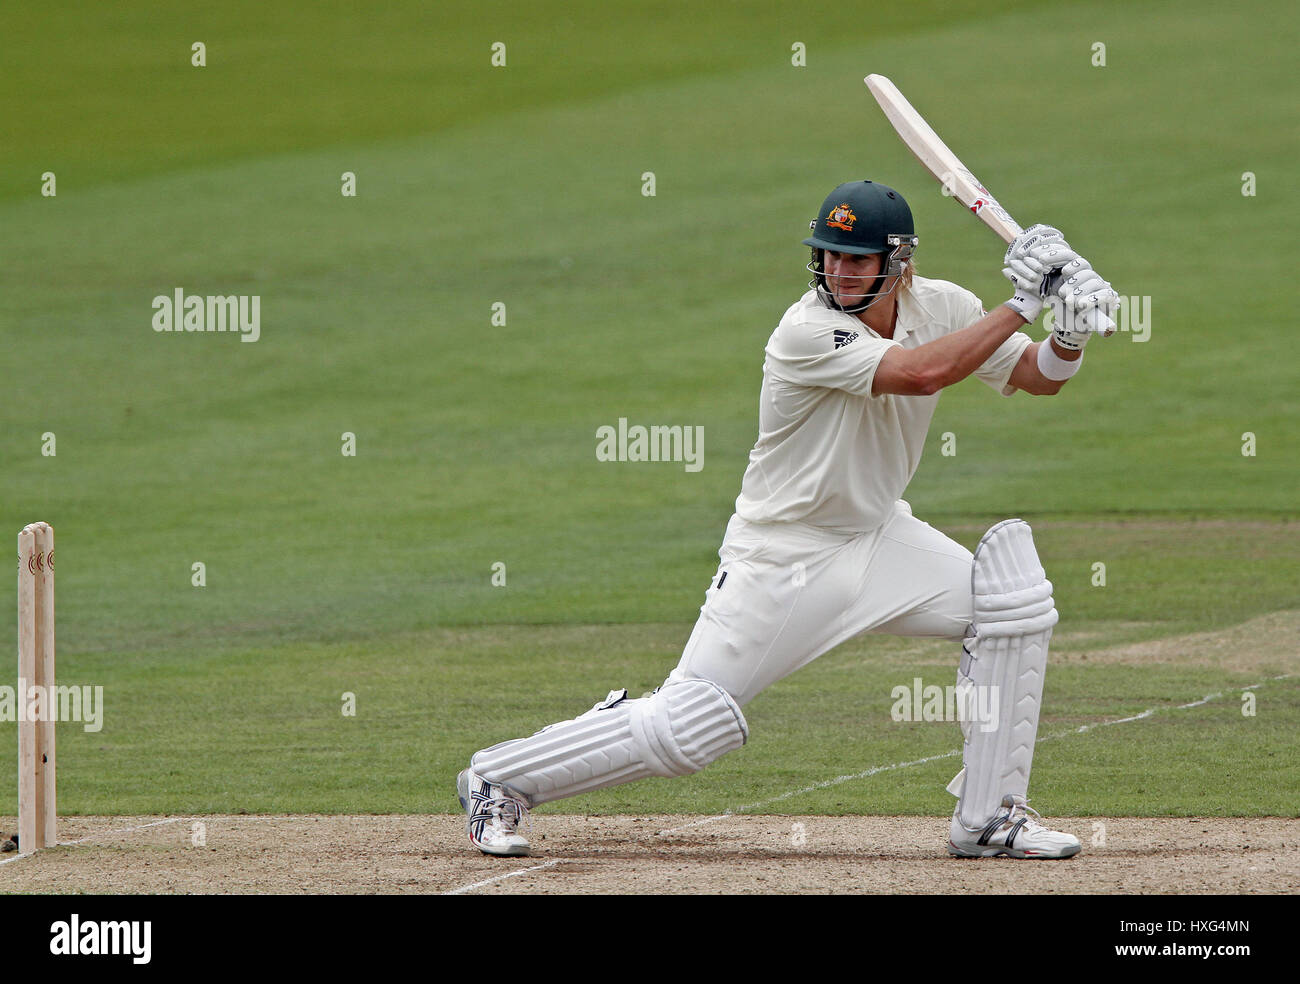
x=616, y=855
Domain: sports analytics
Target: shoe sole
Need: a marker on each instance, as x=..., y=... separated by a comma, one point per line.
x=510, y=852
x=1010, y=852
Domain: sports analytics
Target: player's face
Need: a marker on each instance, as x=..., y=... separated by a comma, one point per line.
x=849, y=277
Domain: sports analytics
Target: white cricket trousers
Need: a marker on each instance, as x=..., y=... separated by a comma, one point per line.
x=785, y=593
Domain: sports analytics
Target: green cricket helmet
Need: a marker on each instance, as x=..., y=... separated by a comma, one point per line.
x=862, y=218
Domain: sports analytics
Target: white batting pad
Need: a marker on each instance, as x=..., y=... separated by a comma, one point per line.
x=677, y=730
x=1014, y=615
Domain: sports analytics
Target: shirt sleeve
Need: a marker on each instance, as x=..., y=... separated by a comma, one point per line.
x=997, y=368
x=834, y=355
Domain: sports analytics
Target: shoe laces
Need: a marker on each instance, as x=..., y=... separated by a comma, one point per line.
x=508, y=814
x=1021, y=810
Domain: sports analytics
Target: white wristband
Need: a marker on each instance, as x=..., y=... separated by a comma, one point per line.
x=1052, y=365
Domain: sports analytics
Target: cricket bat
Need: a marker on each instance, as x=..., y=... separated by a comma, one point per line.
x=941, y=162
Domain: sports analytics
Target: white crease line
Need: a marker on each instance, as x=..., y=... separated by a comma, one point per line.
x=155, y=823
x=933, y=758
x=104, y=833
x=510, y=874
x=813, y=788
x=126, y=830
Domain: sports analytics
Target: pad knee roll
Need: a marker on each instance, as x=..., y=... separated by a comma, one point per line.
x=677, y=730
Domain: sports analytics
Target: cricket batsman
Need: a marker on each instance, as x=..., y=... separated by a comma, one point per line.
x=822, y=546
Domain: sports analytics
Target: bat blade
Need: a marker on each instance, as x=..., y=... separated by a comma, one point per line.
x=941, y=162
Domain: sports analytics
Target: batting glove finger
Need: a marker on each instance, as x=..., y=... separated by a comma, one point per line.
x=1043, y=232
x=1075, y=266
x=1024, y=269
x=1101, y=298
x=1073, y=290
x=1053, y=255
x=1033, y=236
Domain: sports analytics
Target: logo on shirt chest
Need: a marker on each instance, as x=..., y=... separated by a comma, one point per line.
x=843, y=336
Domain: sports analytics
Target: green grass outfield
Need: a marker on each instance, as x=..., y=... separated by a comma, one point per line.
x=476, y=443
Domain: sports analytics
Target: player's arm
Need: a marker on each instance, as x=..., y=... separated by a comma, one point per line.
x=928, y=368
x=1031, y=259
x=1031, y=373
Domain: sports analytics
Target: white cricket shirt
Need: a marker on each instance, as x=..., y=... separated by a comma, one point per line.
x=830, y=454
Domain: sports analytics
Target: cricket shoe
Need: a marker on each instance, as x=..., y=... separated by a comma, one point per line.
x=1015, y=831
x=495, y=815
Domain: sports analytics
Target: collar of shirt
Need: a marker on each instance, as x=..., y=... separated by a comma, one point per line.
x=909, y=315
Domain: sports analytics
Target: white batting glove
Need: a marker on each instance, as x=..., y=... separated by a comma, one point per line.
x=1035, y=234
x=1064, y=337
x=1087, y=304
x=1081, y=287
x=1030, y=261
x=1020, y=247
